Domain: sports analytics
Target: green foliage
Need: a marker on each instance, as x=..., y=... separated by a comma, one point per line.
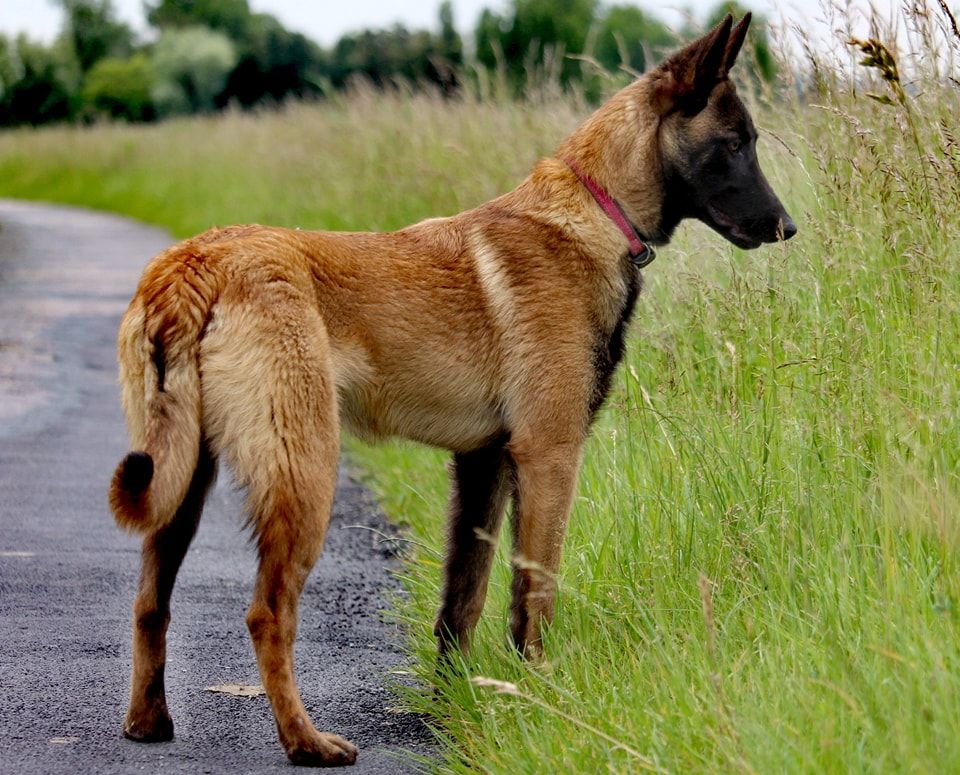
x=121, y=88
x=11, y=69
x=534, y=43
x=451, y=46
x=230, y=17
x=191, y=66
x=273, y=63
x=626, y=35
x=536, y=34
x=37, y=85
x=94, y=32
x=383, y=56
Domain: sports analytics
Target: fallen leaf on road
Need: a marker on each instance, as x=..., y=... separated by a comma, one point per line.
x=237, y=690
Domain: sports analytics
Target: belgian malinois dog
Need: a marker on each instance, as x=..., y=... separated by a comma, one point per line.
x=493, y=334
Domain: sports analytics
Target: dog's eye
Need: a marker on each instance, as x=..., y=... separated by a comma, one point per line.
x=734, y=146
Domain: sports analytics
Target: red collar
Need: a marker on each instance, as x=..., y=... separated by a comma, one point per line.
x=641, y=253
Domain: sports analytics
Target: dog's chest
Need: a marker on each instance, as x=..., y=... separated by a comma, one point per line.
x=610, y=336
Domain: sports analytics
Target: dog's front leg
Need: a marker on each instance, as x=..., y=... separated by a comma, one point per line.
x=481, y=482
x=546, y=475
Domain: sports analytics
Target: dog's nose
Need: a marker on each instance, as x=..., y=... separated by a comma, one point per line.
x=788, y=226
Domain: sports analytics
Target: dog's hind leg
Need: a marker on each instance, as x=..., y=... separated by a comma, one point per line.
x=269, y=389
x=290, y=540
x=148, y=719
x=481, y=481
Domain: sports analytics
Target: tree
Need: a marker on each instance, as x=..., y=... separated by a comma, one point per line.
x=534, y=30
x=11, y=69
x=451, y=45
x=231, y=17
x=121, y=88
x=191, y=66
x=450, y=49
x=35, y=87
x=488, y=38
x=273, y=63
x=386, y=55
x=626, y=35
x=93, y=30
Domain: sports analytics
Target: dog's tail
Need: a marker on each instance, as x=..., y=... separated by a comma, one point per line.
x=158, y=350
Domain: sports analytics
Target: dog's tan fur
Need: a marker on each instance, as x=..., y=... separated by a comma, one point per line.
x=478, y=333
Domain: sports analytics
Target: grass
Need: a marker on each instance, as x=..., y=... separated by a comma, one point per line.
x=761, y=573
x=370, y=162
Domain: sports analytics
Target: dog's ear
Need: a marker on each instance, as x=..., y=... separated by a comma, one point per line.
x=735, y=42
x=686, y=79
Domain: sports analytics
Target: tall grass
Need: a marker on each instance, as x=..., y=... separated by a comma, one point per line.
x=762, y=567
x=371, y=161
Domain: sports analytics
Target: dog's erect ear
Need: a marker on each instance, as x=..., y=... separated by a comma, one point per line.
x=687, y=78
x=735, y=42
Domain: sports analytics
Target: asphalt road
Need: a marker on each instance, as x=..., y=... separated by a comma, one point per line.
x=68, y=575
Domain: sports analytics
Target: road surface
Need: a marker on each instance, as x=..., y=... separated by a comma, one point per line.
x=68, y=575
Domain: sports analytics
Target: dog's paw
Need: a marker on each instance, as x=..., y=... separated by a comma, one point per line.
x=322, y=750
x=143, y=729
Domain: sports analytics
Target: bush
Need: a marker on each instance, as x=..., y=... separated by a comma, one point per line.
x=36, y=85
x=120, y=88
x=191, y=67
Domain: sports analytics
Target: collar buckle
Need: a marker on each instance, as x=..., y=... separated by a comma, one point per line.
x=644, y=257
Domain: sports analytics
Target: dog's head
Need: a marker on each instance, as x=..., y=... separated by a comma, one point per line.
x=708, y=144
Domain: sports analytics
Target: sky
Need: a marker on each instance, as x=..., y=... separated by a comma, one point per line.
x=322, y=20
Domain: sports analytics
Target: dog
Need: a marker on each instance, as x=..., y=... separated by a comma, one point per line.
x=493, y=334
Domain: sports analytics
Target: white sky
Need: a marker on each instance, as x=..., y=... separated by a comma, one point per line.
x=326, y=20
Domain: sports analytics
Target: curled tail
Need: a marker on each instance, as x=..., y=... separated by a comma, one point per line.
x=158, y=350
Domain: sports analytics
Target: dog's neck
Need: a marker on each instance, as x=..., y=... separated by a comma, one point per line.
x=617, y=147
x=640, y=251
